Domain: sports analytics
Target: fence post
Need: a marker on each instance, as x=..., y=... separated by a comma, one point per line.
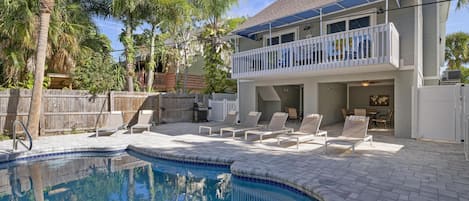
x=225, y=109
x=42, y=118
x=111, y=101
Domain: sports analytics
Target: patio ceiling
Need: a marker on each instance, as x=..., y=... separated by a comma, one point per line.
x=264, y=20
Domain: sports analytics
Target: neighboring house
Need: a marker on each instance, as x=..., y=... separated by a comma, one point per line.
x=320, y=56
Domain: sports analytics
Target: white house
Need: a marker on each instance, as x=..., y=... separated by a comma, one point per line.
x=320, y=56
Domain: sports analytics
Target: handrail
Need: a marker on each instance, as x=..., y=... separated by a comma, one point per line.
x=28, y=135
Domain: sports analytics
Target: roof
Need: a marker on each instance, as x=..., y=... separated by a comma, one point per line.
x=283, y=12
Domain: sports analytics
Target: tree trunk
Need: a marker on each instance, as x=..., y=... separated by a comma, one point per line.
x=152, y=63
x=129, y=56
x=186, y=71
x=36, y=97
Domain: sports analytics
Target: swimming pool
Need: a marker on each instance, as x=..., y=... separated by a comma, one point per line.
x=131, y=176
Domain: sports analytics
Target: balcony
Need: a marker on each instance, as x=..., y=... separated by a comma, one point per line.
x=374, y=48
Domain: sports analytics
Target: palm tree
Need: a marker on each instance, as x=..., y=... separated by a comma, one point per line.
x=457, y=50
x=46, y=7
x=129, y=12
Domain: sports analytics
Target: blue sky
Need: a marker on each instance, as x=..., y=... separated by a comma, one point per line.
x=112, y=28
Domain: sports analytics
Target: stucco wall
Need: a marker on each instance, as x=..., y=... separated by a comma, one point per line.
x=332, y=97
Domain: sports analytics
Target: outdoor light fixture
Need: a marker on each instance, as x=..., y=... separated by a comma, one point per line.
x=365, y=83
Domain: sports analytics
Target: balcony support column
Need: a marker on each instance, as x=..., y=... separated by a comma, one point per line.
x=386, y=12
x=270, y=34
x=320, y=21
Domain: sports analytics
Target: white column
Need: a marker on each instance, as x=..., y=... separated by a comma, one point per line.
x=386, y=12
x=320, y=20
x=270, y=33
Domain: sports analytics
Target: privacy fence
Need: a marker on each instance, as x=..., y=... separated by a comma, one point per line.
x=68, y=111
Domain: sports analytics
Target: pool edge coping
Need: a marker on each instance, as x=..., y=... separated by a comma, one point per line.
x=320, y=194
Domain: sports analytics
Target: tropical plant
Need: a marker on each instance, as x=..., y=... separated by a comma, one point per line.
x=215, y=46
x=461, y=3
x=183, y=34
x=129, y=12
x=457, y=50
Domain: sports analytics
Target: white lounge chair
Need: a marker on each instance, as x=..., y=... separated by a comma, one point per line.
x=355, y=131
x=145, y=120
x=309, y=129
x=114, y=123
x=276, y=126
x=230, y=120
x=249, y=124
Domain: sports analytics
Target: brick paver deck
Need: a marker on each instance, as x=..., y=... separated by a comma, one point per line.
x=391, y=169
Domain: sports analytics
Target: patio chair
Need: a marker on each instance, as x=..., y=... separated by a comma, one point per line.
x=344, y=113
x=276, y=126
x=292, y=113
x=355, y=131
x=249, y=124
x=387, y=120
x=114, y=123
x=359, y=112
x=145, y=120
x=230, y=120
x=308, y=130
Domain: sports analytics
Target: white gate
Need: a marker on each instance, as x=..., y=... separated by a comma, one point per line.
x=443, y=114
x=220, y=108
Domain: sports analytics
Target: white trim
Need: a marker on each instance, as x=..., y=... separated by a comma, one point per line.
x=369, y=12
x=431, y=77
x=408, y=67
x=294, y=30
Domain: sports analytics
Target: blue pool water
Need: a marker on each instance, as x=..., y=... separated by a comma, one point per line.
x=130, y=176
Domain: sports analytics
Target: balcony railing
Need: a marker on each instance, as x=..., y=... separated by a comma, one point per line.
x=361, y=47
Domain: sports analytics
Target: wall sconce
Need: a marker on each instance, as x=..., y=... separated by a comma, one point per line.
x=365, y=83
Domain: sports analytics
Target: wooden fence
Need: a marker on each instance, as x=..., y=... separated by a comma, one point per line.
x=72, y=110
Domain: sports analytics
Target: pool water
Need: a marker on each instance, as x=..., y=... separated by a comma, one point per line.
x=130, y=176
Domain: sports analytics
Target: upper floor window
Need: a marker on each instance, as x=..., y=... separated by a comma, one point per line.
x=281, y=37
x=347, y=24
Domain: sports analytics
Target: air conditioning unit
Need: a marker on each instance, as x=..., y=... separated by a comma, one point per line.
x=451, y=77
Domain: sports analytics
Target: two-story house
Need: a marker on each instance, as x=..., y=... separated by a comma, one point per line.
x=322, y=56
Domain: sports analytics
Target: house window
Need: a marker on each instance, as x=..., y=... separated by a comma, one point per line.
x=349, y=24
x=285, y=36
x=336, y=27
x=359, y=23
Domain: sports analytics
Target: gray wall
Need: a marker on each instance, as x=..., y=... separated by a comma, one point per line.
x=247, y=98
x=332, y=98
x=430, y=40
x=360, y=97
x=403, y=107
x=289, y=96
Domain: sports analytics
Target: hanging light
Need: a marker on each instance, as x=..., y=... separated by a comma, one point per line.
x=365, y=83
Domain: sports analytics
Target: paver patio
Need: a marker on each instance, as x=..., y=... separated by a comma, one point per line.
x=391, y=169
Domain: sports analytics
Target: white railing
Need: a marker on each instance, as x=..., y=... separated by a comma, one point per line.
x=367, y=46
x=220, y=108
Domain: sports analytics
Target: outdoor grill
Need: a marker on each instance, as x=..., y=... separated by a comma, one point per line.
x=200, y=112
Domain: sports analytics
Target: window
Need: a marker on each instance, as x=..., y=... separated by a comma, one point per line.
x=281, y=37
x=349, y=24
x=359, y=23
x=336, y=27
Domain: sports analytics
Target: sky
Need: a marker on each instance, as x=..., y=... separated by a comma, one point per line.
x=112, y=28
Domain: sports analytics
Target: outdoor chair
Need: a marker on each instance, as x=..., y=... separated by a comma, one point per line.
x=355, y=131
x=292, y=113
x=114, y=123
x=308, y=130
x=145, y=120
x=344, y=113
x=276, y=126
x=230, y=120
x=387, y=120
x=249, y=124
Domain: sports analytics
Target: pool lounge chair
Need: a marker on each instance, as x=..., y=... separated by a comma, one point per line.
x=249, y=124
x=145, y=120
x=114, y=123
x=276, y=126
x=355, y=131
x=230, y=120
x=309, y=129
